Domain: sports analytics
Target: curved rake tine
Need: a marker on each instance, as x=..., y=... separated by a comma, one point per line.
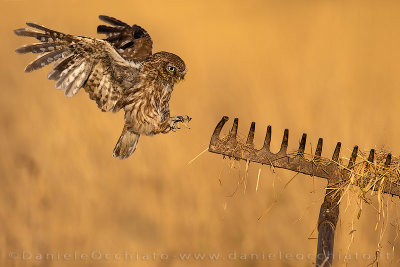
x=233, y=131
x=371, y=156
x=217, y=131
x=267, y=141
x=250, y=137
x=285, y=141
x=388, y=160
x=302, y=145
x=335, y=157
x=353, y=157
x=318, y=151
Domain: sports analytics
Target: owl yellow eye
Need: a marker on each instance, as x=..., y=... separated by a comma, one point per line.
x=171, y=69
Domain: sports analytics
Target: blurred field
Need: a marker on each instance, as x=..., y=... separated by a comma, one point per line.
x=328, y=68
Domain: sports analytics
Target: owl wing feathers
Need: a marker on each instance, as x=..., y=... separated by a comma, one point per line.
x=131, y=42
x=81, y=62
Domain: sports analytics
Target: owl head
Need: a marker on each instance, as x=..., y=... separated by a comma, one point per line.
x=167, y=66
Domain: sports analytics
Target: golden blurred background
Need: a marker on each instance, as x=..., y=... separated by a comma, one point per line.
x=327, y=68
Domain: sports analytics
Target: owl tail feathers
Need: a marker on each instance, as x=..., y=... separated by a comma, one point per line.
x=126, y=144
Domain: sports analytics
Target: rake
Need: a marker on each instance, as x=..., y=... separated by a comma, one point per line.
x=332, y=171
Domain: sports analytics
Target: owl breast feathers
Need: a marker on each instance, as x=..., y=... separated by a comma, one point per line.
x=119, y=72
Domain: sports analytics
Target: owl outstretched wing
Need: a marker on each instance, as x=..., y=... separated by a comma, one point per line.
x=131, y=42
x=81, y=62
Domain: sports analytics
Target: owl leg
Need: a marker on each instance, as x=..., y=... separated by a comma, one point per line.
x=126, y=144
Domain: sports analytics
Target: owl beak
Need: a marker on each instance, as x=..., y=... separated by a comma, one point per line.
x=180, y=78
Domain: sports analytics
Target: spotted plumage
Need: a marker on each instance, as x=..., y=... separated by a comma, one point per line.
x=119, y=72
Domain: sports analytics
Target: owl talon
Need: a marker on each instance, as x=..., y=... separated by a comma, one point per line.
x=183, y=119
x=179, y=119
x=186, y=118
x=176, y=122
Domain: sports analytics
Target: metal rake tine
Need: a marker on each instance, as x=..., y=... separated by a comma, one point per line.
x=353, y=157
x=388, y=160
x=371, y=156
x=250, y=137
x=284, y=144
x=302, y=145
x=267, y=141
x=318, y=151
x=233, y=131
x=218, y=128
x=335, y=157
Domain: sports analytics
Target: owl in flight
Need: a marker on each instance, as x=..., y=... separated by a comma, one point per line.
x=119, y=72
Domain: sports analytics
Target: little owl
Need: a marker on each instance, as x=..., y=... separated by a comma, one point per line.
x=119, y=72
